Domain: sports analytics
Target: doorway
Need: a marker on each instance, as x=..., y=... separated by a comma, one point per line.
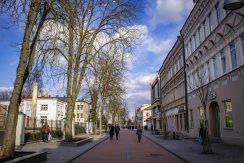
x=214, y=119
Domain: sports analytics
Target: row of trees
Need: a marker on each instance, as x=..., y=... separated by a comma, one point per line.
x=82, y=41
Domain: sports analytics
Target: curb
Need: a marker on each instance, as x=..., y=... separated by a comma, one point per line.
x=154, y=141
x=88, y=149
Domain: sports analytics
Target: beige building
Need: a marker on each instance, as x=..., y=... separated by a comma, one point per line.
x=156, y=104
x=214, y=48
x=81, y=112
x=172, y=90
x=142, y=113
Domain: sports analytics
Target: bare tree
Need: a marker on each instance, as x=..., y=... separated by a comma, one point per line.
x=5, y=94
x=34, y=77
x=198, y=85
x=37, y=13
x=86, y=28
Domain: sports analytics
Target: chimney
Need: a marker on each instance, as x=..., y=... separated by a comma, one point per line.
x=34, y=101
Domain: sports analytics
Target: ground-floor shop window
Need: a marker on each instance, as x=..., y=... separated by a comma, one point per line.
x=228, y=114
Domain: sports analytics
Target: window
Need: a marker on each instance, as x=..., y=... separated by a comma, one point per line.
x=217, y=10
x=209, y=71
x=197, y=39
x=191, y=47
x=81, y=115
x=77, y=116
x=199, y=35
x=202, y=33
x=79, y=107
x=43, y=119
x=242, y=44
x=228, y=114
x=215, y=68
x=233, y=55
x=193, y=43
x=205, y=28
x=44, y=107
x=210, y=21
x=191, y=119
x=223, y=62
x=186, y=48
x=201, y=115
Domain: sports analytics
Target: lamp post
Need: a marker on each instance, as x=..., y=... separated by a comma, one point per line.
x=233, y=4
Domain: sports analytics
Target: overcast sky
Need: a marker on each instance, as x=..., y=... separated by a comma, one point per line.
x=160, y=21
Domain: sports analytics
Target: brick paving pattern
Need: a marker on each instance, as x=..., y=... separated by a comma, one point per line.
x=128, y=150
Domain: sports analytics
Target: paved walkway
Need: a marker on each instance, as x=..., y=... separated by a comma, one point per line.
x=191, y=151
x=128, y=150
x=62, y=154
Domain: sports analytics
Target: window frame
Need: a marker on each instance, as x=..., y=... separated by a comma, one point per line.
x=225, y=115
x=223, y=62
x=233, y=55
x=215, y=67
x=44, y=107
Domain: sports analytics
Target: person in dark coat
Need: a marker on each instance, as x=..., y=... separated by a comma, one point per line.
x=117, y=129
x=139, y=133
x=111, y=132
x=202, y=134
x=45, y=132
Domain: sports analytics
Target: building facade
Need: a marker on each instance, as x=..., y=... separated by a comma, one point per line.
x=172, y=90
x=81, y=112
x=214, y=57
x=54, y=108
x=156, y=104
x=48, y=108
x=142, y=113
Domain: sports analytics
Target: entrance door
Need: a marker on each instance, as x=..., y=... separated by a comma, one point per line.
x=214, y=119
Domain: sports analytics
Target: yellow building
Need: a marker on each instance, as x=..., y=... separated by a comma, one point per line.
x=81, y=112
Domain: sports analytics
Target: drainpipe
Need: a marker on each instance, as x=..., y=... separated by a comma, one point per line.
x=185, y=79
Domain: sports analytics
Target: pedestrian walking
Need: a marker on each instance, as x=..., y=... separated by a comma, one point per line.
x=111, y=132
x=139, y=133
x=117, y=129
x=45, y=132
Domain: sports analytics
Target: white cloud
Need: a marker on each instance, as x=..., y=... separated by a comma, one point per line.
x=168, y=11
x=138, y=89
x=158, y=47
x=6, y=88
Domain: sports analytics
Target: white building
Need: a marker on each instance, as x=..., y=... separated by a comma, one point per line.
x=48, y=108
x=142, y=114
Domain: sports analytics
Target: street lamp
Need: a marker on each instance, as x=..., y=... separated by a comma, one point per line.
x=233, y=4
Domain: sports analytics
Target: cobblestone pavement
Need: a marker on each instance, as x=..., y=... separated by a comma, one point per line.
x=128, y=150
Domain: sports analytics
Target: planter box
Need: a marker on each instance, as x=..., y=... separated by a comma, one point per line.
x=77, y=143
x=35, y=157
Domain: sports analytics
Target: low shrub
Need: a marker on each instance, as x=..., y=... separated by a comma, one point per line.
x=56, y=133
x=29, y=136
x=80, y=129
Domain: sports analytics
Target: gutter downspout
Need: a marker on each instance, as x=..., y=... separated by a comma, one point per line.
x=185, y=79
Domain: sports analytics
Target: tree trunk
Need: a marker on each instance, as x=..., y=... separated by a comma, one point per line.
x=8, y=145
x=207, y=149
x=69, y=118
x=95, y=128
